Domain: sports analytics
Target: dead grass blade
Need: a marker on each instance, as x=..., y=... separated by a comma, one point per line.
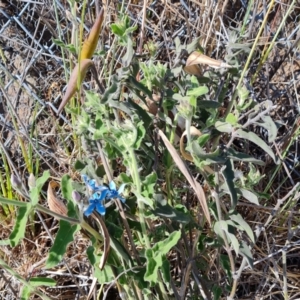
x=55, y=204
x=106, y=237
x=182, y=167
x=73, y=82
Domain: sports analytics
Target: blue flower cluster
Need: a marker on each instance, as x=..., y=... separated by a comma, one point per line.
x=101, y=193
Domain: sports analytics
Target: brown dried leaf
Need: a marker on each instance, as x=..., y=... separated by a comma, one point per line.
x=193, y=70
x=55, y=204
x=197, y=58
x=90, y=44
x=73, y=82
x=182, y=167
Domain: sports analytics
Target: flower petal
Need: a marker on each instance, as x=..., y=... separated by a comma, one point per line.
x=100, y=188
x=90, y=209
x=100, y=209
x=112, y=186
x=121, y=188
x=104, y=195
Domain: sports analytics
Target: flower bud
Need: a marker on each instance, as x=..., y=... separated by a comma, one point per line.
x=76, y=196
x=31, y=181
x=15, y=182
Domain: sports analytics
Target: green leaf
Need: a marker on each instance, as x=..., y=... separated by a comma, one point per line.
x=165, y=268
x=109, y=93
x=256, y=140
x=67, y=189
x=225, y=263
x=26, y=292
x=234, y=241
x=138, y=87
x=20, y=225
x=166, y=245
x=127, y=58
x=38, y=281
x=156, y=256
x=234, y=155
x=65, y=235
x=197, y=151
x=228, y=175
x=145, y=200
x=58, y=43
x=120, y=250
x=79, y=165
x=36, y=190
x=217, y=291
x=202, y=140
x=148, y=184
x=245, y=251
x=251, y=197
x=242, y=225
x=117, y=29
x=226, y=227
x=208, y=104
x=219, y=227
x=114, y=230
x=270, y=126
x=231, y=119
x=223, y=127
x=104, y=276
x=141, y=113
x=199, y=91
x=151, y=270
x=141, y=131
x=167, y=211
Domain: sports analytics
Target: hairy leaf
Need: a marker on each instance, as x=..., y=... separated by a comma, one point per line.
x=242, y=225
x=36, y=190
x=246, y=252
x=20, y=225
x=65, y=235
x=251, y=197
x=228, y=175
x=256, y=140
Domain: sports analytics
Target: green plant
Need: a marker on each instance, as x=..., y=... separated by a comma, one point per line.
x=141, y=235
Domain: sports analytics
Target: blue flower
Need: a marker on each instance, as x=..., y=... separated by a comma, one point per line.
x=101, y=193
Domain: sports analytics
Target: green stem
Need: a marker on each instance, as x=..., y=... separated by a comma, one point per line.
x=137, y=182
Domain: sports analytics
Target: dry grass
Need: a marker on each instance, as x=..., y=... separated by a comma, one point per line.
x=33, y=79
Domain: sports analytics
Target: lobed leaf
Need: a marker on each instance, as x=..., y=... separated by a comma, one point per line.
x=20, y=225
x=65, y=235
